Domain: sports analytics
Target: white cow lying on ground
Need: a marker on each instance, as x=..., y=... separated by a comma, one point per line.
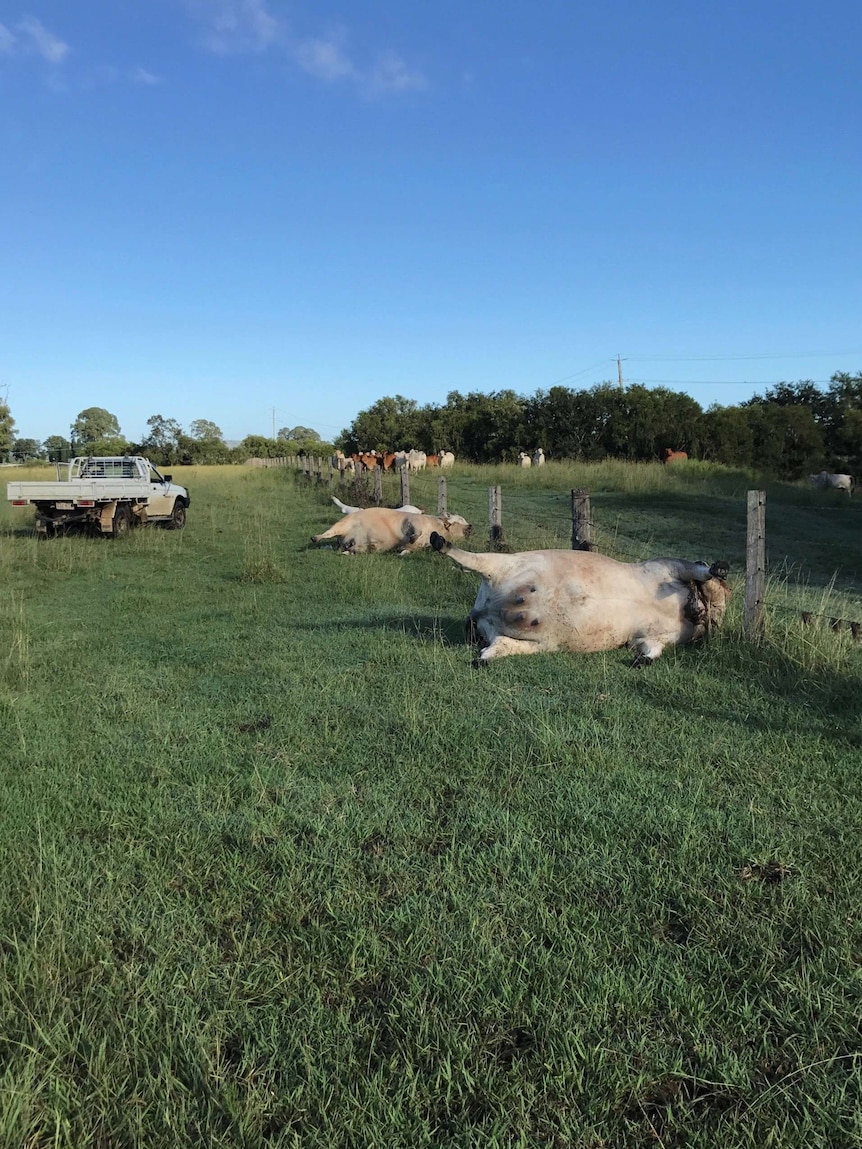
x=345, y=510
x=384, y=529
x=835, y=482
x=581, y=601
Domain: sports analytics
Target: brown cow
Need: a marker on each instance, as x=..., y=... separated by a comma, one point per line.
x=581, y=601
x=671, y=456
x=432, y=460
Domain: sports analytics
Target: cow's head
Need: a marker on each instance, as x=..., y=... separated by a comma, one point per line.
x=713, y=595
x=455, y=526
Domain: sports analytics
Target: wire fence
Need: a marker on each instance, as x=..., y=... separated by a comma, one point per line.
x=513, y=518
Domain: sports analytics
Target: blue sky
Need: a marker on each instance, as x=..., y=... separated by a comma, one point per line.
x=255, y=210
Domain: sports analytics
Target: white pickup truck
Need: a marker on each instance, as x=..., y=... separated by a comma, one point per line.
x=108, y=493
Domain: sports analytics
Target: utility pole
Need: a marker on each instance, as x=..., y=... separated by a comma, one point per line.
x=620, y=371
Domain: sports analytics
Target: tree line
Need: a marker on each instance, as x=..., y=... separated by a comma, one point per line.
x=790, y=430
x=97, y=432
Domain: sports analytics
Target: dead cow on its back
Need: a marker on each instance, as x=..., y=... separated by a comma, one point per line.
x=581, y=601
x=383, y=529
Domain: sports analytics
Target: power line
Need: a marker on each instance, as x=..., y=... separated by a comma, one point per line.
x=730, y=358
x=729, y=382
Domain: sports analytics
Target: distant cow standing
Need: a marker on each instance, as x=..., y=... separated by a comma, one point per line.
x=827, y=481
x=524, y=460
x=671, y=456
x=538, y=457
x=447, y=459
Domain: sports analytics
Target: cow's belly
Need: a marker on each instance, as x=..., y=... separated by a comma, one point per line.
x=581, y=618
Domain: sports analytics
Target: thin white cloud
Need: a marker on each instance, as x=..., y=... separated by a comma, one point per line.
x=391, y=74
x=49, y=46
x=325, y=59
x=140, y=75
x=236, y=26
x=248, y=26
x=7, y=41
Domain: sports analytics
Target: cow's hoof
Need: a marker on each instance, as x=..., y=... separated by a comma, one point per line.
x=719, y=569
x=479, y=663
x=640, y=661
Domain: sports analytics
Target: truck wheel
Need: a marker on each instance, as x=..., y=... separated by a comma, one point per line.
x=178, y=517
x=122, y=522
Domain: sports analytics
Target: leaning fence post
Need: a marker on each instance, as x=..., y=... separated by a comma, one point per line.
x=582, y=525
x=495, y=515
x=755, y=564
x=377, y=495
x=442, y=506
x=405, y=486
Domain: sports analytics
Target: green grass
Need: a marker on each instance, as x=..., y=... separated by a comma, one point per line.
x=278, y=868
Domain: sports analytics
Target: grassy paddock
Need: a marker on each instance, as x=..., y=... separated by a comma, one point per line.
x=278, y=868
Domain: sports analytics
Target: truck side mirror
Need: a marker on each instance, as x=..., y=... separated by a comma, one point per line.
x=168, y=478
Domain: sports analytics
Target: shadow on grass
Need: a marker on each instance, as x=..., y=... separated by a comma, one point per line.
x=449, y=631
x=829, y=697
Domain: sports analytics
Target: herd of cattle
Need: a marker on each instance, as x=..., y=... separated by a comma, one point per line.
x=390, y=460
x=413, y=460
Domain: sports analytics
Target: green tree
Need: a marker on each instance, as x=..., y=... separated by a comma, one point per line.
x=94, y=428
x=57, y=448
x=299, y=434
x=727, y=437
x=494, y=426
x=205, y=429
x=786, y=439
x=390, y=424
x=259, y=447
x=25, y=449
x=7, y=431
x=162, y=443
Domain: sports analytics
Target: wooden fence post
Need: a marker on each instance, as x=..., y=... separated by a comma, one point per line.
x=405, y=486
x=495, y=515
x=378, y=485
x=755, y=564
x=582, y=523
x=442, y=505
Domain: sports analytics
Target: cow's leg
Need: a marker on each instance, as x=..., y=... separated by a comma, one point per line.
x=646, y=650
x=334, y=532
x=502, y=646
